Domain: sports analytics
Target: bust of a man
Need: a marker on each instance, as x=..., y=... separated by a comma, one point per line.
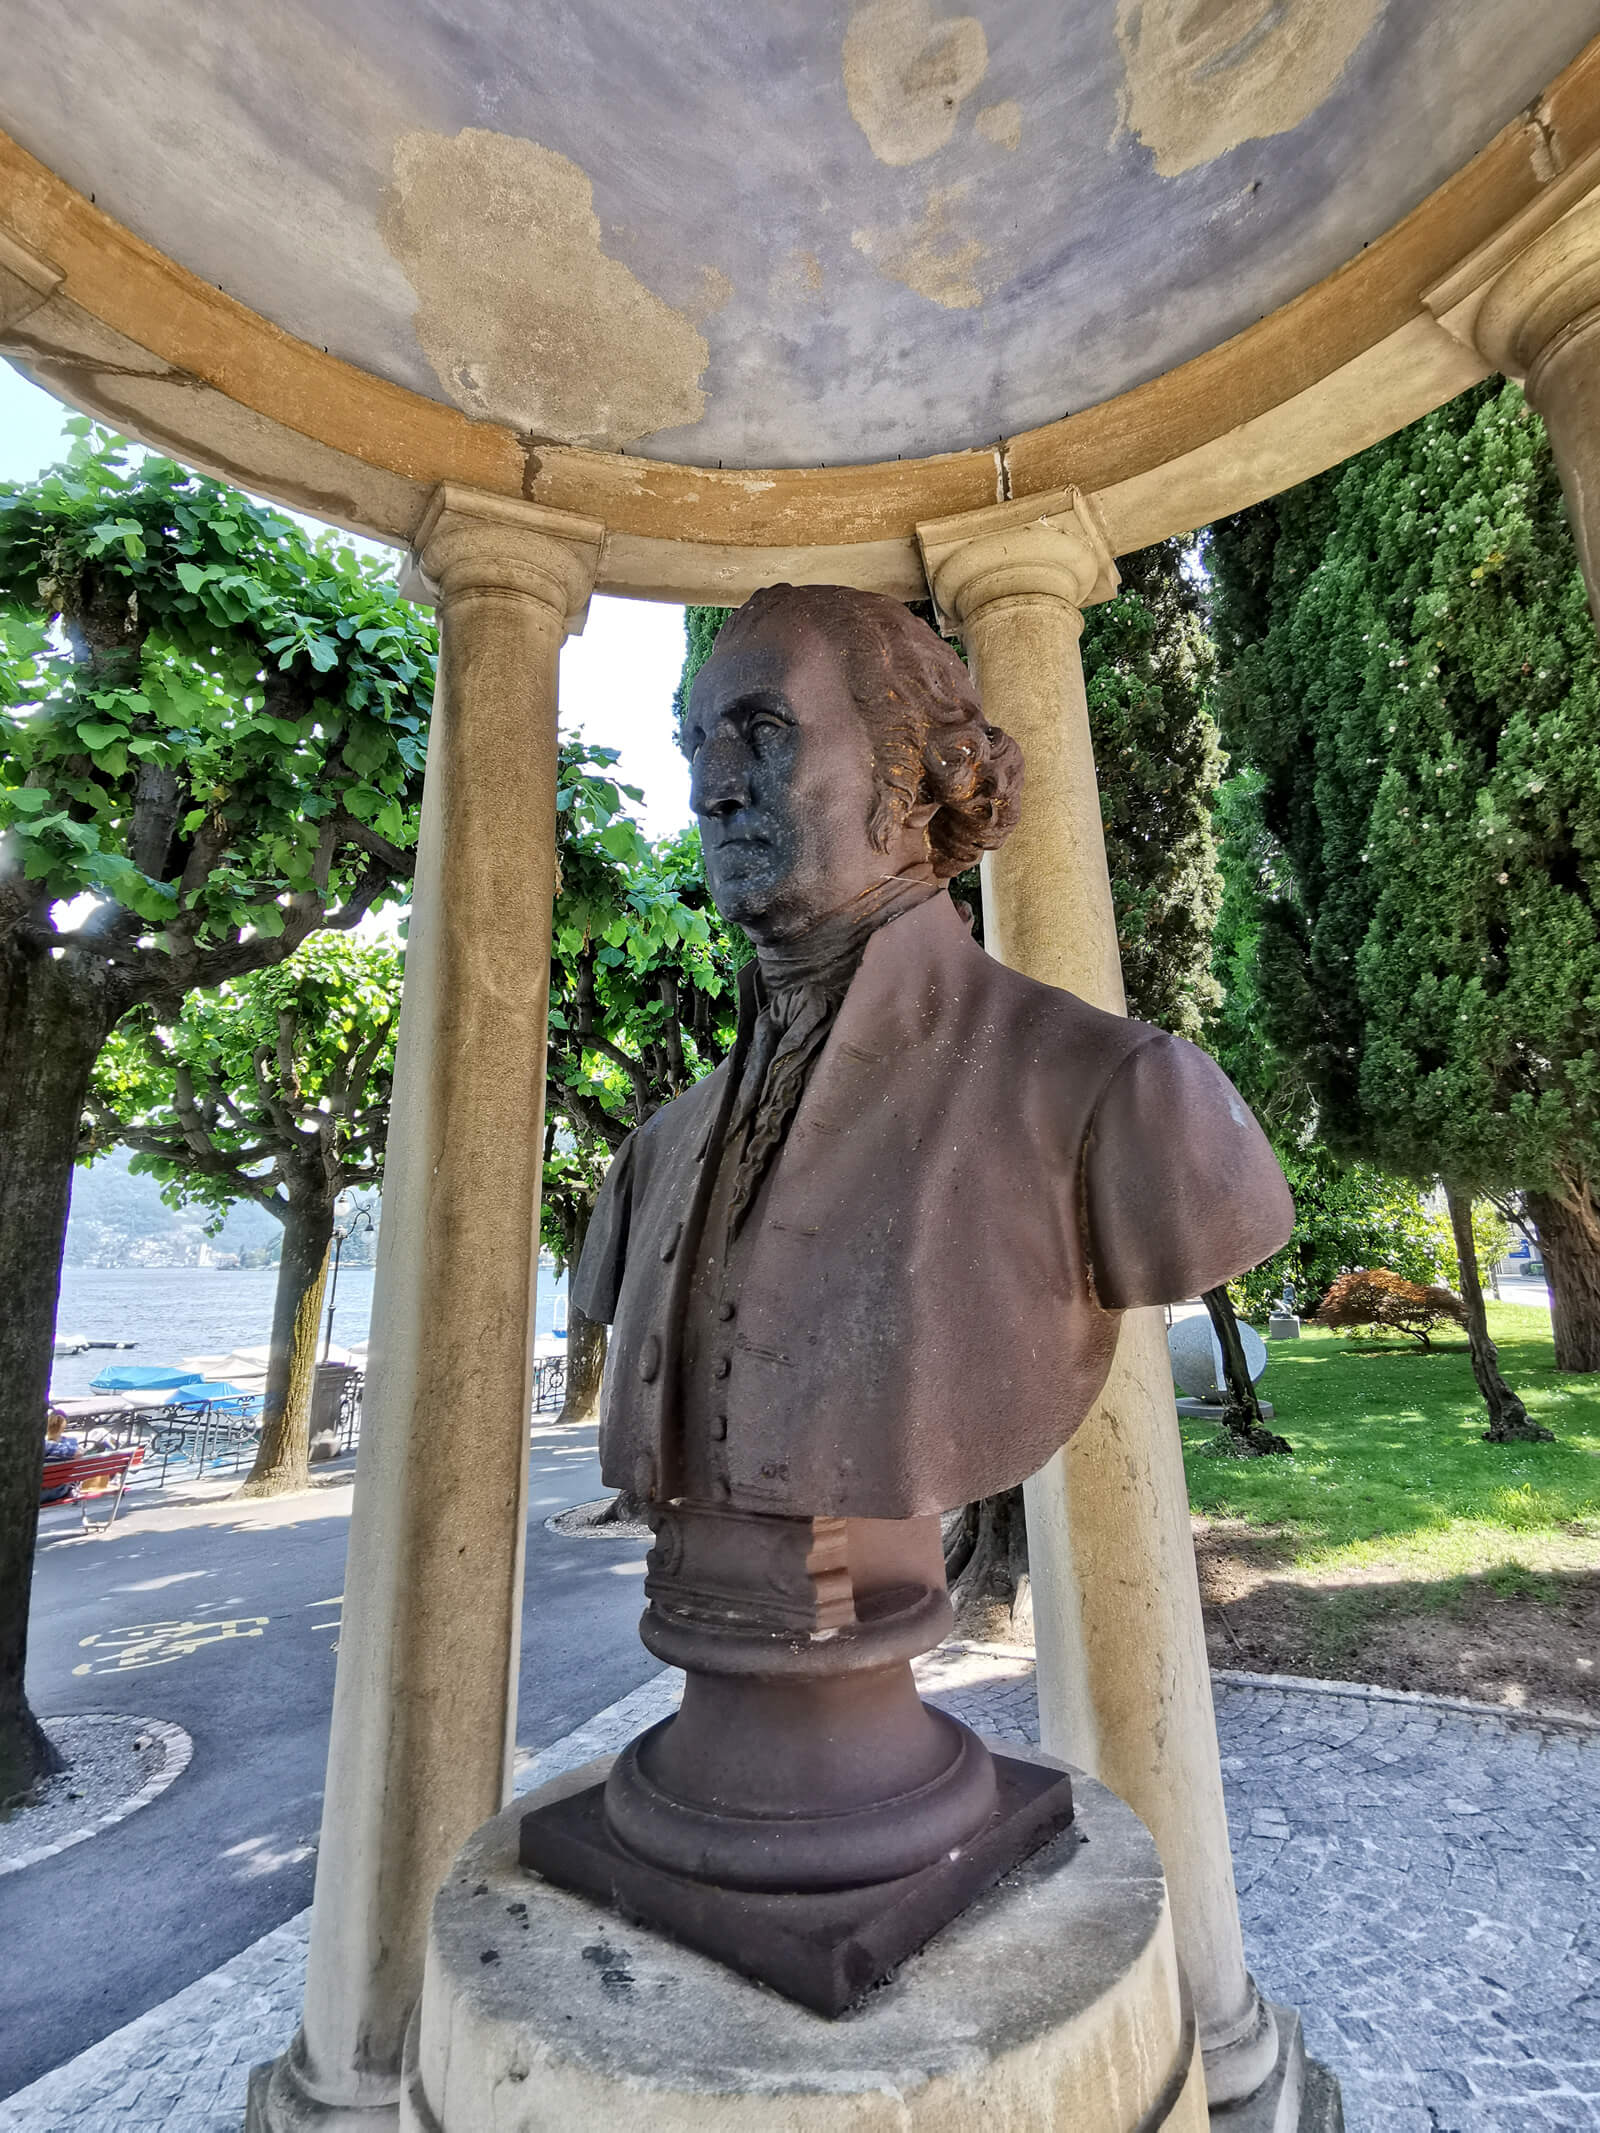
x=870, y=1268
x=873, y=1266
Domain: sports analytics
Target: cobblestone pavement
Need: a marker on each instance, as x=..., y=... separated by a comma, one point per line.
x=1419, y=1878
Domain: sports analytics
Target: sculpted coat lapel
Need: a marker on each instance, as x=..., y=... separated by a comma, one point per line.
x=982, y=1174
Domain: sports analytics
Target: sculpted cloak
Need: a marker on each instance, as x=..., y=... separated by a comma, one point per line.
x=982, y=1174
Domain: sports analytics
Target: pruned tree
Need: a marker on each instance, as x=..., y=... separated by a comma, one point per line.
x=1374, y=1297
x=212, y=731
x=1149, y=670
x=273, y=1088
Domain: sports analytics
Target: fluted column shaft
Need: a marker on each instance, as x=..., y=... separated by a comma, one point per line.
x=1124, y=1684
x=424, y=1717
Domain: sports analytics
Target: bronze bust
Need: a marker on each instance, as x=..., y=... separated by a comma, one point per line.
x=868, y=1270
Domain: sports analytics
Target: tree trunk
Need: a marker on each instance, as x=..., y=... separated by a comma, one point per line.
x=586, y=1337
x=1508, y=1418
x=1569, y=1238
x=1241, y=1414
x=586, y=1362
x=986, y=1568
x=625, y=1509
x=54, y=1017
x=283, y=1459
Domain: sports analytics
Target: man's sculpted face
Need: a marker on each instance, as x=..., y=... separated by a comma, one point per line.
x=783, y=784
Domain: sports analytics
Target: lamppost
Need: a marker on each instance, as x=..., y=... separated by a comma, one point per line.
x=354, y=1217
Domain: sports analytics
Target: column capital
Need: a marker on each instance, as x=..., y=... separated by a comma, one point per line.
x=1547, y=293
x=1512, y=297
x=469, y=541
x=1041, y=547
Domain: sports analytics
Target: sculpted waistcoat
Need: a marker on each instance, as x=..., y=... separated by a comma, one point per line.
x=982, y=1174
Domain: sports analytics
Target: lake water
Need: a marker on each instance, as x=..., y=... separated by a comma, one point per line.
x=171, y=1312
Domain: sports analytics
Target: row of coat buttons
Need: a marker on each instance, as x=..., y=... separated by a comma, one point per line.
x=650, y=1353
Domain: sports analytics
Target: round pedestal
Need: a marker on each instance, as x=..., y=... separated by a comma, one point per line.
x=1053, y=2005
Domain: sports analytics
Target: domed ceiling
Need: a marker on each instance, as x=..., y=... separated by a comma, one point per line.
x=769, y=233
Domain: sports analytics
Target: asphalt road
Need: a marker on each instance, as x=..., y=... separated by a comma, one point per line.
x=251, y=1592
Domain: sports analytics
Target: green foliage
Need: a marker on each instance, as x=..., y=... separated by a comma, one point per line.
x=1412, y=676
x=1346, y=1215
x=275, y=1083
x=642, y=998
x=1272, y=1082
x=700, y=627
x=1149, y=667
x=210, y=722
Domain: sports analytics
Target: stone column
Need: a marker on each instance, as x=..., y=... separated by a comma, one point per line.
x=1124, y=1685
x=1540, y=321
x=424, y=1714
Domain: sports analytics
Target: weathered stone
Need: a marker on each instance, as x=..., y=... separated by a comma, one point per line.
x=1053, y=2001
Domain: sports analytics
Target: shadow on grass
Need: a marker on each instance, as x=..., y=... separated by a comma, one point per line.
x=1388, y=1446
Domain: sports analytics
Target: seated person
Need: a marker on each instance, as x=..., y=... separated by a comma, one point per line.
x=57, y=1447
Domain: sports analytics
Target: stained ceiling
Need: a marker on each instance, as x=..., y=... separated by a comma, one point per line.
x=769, y=233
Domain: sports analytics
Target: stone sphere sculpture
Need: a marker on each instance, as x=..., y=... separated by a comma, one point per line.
x=1197, y=1356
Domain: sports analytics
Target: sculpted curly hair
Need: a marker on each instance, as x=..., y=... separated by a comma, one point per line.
x=930, y=739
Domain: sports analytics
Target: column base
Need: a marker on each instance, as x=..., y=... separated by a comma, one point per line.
x=1054, y=1999
x=278, y=2102
x=1241, y=2056
x=1298, y=2096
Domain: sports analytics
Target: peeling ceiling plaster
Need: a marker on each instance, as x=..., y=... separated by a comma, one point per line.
x=907, y=75
x=524, y=316
x=1205, y=75
x=769, y=232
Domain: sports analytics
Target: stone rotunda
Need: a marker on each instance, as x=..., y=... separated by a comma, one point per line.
x=677, y=302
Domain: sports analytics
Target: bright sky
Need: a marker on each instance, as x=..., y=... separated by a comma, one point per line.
x=617, y=679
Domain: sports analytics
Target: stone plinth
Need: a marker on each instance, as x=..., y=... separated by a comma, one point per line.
x=1283, y=1326
x=1054, y=2001
x=1214, y=1410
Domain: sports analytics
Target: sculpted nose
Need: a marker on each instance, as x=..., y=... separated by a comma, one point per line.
x=721, y=783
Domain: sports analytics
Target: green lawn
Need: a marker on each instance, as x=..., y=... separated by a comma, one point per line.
x=1390, y=1469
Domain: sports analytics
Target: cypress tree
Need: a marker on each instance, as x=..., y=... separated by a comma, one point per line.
x=1411, y=669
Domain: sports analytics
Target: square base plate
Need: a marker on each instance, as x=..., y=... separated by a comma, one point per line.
x=824, y=1949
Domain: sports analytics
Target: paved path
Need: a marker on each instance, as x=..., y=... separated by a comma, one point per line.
x=1419, y=1878
x=236, y=1611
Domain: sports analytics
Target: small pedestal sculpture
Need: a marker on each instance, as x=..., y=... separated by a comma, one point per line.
x=868, y=1270
x=1284, y=1322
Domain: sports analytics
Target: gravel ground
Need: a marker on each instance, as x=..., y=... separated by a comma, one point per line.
x=114, y=1765
x=584, y=1522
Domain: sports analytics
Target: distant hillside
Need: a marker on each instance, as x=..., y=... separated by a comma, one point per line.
x=119, y=1219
